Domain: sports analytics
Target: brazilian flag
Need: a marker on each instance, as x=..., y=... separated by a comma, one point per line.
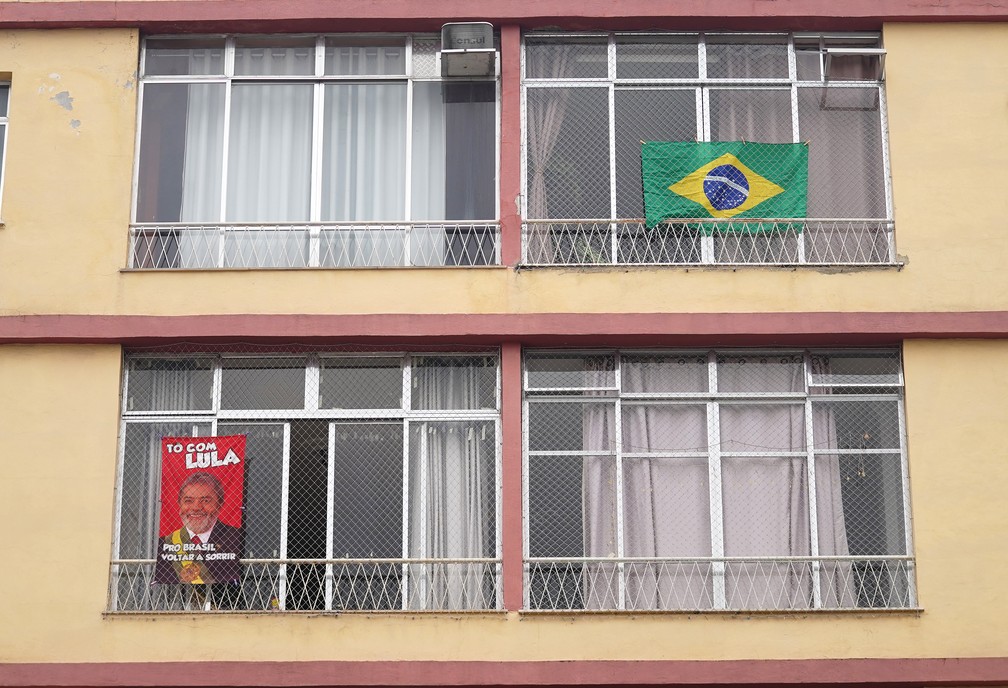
x=723, y=179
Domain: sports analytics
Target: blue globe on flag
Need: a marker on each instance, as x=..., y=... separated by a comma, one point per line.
x=726, y=187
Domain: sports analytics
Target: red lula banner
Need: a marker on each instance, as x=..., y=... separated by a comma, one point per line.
x=200, y=533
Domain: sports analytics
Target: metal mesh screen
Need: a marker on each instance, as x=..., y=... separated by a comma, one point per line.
x=343, y=101
x=705, y=480
x=370, y=479
x=583, y=147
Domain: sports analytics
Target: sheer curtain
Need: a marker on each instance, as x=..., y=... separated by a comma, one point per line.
x=666, y=499
x=666, y=507
x=364, y=169
x=269, y=171
x=450, y=493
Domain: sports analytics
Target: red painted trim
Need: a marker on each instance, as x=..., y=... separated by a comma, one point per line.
x=538, y=329
x=980, y=671
x=512, y=535
x=408, y=15
x=510, y=145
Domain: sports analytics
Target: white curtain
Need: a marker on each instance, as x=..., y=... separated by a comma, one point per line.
x=667, y=512
x=364, y=169
x=450, y=493
x=428, y=184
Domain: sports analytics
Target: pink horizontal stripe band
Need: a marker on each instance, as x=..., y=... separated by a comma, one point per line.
x=409, y=15
x=817, y=672
x=542, y=329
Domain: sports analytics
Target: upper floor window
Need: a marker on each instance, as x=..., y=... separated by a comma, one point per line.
x=290, y=151
x=698, y=480
x=592, y=100
x=370, y=482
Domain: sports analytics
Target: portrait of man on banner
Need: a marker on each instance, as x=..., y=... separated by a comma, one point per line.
x=200, y=534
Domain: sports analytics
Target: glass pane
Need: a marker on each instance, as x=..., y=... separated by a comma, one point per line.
x=368, y=504
x=732, y=57
x=568, y=153
x=555, y=505
x=425, y=50
x=141, y=483
x=666, y=506
x=761, y=373
x=808, y=63
x=572, y=427
x=4, y=98
x=454, y=151
x=844, y=130
x=452, y=489
x=852, y=423
x=264, y=446
x=263, y=383
x=872, y=490
x=168, y=56
x=183, y=384
x=360, y=383
x=656, y=58
x=765, y=506
x=751, y=115
x=881, y=368
x=274, y=56
x=454, y=383
x=575, y=58
x=269, y=158
x=364, y=152
x=570, y=372
x=664, y=427
x=265, y=247
x=349, y=57
x=181, y=154
x=762, y=427
x=652, y=115
x=684, y=373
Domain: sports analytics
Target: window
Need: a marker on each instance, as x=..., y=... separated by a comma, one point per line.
x=740, y=480
x=295, y=151
x=371, y=481
x=590, y=100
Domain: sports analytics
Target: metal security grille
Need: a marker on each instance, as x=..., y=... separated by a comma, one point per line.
x=371, y=479
x=591, y=100
x=706, y=480
x=338, y=151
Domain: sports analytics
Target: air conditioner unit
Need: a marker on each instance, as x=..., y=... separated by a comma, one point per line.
x=467, y=50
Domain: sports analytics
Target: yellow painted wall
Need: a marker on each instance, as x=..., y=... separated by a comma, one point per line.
x=58, y=449
x=67, y=196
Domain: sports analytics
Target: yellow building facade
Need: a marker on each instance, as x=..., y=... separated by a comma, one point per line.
x=904, y=310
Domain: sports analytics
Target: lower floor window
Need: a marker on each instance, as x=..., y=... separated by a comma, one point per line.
x=370, y=483
x=716, y=480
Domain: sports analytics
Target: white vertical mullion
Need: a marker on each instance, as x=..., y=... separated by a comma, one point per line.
x=907, y=525
x=313, y=376
x=704, y=134
x=215, y=392
x=315, y=216
x=526, y=549
x=498, y=492
x=618, y=435
x=120, y=472
x=330, y=508
x=714, y=485
x=404, y=428
x=886, y=171
x=523, y=143
x=812, y=493
x=284, y=516
x=408, y=198
x=225, y=148
x=795, y=133
x=425, y=582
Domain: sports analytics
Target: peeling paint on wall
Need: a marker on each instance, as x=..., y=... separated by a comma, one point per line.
x=75, y=123
x=64, y=100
